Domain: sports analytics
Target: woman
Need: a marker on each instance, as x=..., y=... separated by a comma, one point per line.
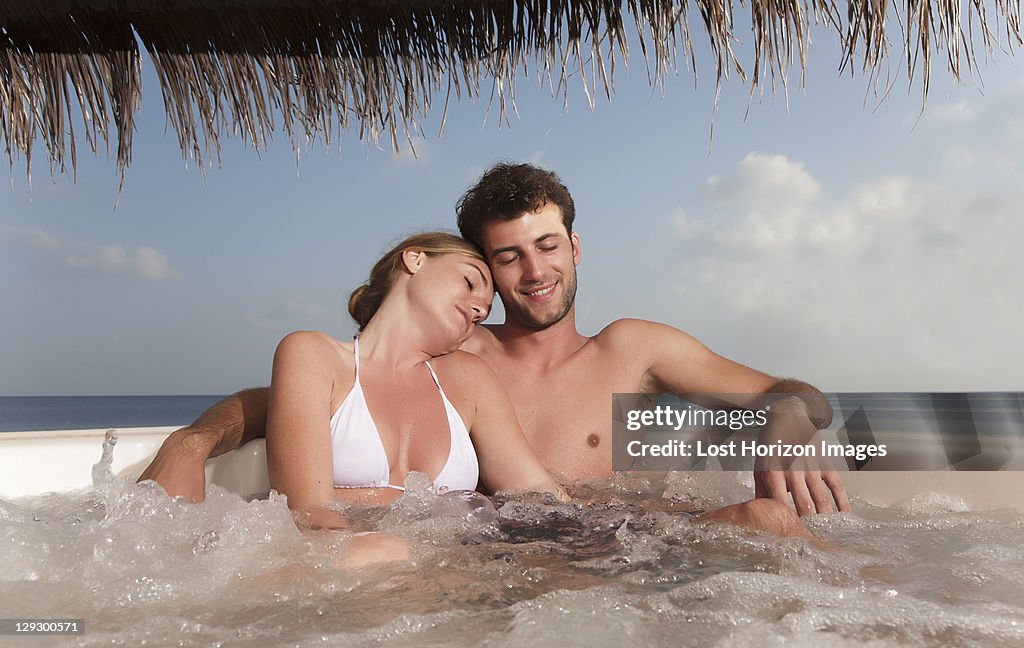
x=348, y=421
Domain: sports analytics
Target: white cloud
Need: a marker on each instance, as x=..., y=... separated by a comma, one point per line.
x=898, y=284
x=961, y=111
x=109, y=258
x=152, y=264
x=31, y=236
x=975, y=139
x=143, y=261
x=960, y=158
x=763, y=181
x=1015, y=128
x=687, y=227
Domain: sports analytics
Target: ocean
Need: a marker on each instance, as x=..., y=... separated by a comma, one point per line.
x=29, y=413
x=894, y=410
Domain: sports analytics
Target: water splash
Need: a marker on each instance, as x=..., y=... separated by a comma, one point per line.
x=102, y=474
x=619, y=563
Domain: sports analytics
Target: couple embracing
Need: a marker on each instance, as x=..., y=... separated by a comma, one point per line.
x=424, y=387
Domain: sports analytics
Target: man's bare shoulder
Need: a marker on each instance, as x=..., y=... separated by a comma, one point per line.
x=633, y=332
x=464, y=369
x=460, y=360
x=482, y=341
x=675, y=361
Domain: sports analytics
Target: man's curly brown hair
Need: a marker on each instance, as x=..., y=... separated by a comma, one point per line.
x=507, y=191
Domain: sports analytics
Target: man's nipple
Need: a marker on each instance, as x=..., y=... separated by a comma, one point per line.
x=593, y=440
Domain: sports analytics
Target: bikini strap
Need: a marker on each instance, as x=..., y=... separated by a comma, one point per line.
x=355, y=343
x=448, y=407
x=434, y=376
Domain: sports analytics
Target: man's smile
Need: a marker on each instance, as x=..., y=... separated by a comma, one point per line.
x=539, y=294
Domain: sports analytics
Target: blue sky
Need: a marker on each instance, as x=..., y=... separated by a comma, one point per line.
x=854, y=245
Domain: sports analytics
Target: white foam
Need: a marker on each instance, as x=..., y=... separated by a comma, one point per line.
x=143, y=569
x=929, y=503
x=710, y=489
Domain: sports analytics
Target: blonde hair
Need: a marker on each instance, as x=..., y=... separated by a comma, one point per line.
x=366, y=299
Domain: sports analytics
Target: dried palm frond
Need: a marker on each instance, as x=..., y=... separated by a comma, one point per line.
x=311, y=67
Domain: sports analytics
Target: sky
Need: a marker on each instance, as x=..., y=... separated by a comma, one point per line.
x=821, y=233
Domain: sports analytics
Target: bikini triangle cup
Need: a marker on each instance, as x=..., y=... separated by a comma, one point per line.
x=358, y=453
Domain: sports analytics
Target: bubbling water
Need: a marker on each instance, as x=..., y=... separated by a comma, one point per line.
x=622, y=562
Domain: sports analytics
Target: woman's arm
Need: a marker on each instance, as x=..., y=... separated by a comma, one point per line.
x=507, y=462
x=299, y=455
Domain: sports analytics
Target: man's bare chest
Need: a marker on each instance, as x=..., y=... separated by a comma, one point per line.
x=567, y=408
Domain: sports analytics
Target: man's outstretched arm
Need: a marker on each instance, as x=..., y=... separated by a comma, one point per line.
x=179, y=465
x=798, y=411
x=678, y=363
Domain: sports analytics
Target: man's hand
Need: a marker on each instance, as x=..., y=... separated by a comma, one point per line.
x=180, y=464
x=812, y=490
x=811, y=481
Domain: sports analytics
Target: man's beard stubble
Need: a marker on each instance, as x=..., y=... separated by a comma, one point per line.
x=525, y=318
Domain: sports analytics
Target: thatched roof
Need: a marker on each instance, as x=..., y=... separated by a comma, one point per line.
x=313, y=67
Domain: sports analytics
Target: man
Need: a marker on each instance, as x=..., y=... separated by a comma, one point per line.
x=560, y=382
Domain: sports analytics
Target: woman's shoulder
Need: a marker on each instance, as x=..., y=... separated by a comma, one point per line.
x=314, y=346
x=315, y=339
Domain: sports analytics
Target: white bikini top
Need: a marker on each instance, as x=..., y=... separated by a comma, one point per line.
x=359, y=457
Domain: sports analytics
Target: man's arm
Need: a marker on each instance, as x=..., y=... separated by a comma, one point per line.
x=819, y=410
x=798, y=411
x=179, y=465
x=678, y=363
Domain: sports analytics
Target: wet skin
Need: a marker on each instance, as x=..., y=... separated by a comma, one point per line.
x=561, y=382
